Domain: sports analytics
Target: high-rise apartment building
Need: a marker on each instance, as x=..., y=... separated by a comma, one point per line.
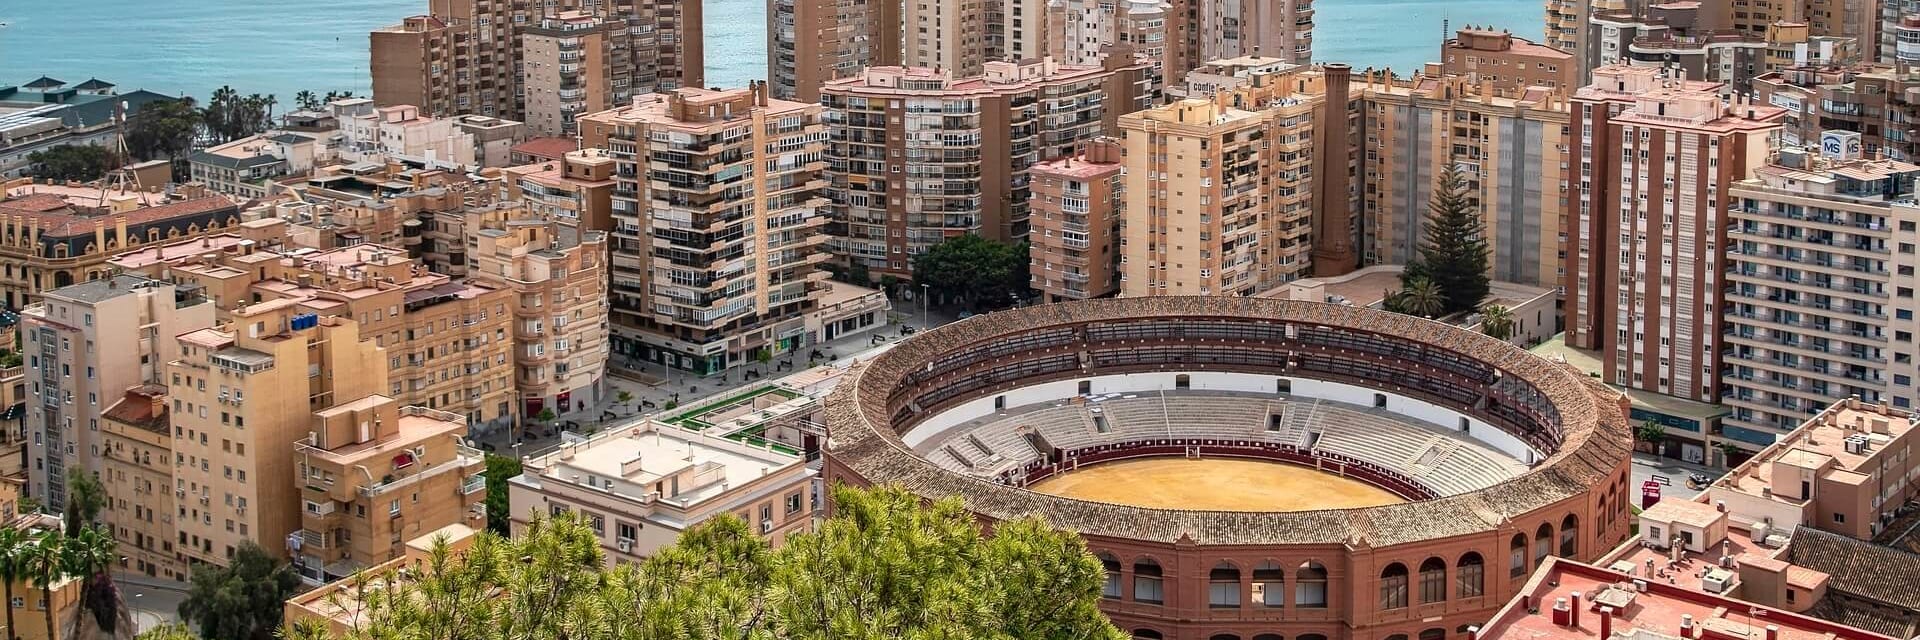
x=1726, y=41
x=1220, y=192
x=1507, y=63
x=559, y=277
x=240, y=397
x=86, y=344
x=467, y=56
x=1656, y=160
x=1085, y=32
x=1863, y=100
x=810, y=42
x=1077, y=204
x=949, y=35
x=1513, y=152
x=1216, y=30
x=717, y=214
x=566, y=70
x=920, y=155
x=373, y=475
x=1811, y=282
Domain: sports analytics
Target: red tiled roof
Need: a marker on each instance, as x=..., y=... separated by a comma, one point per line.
x=63, y=221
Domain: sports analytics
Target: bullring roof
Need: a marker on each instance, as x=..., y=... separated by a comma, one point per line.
x=1595, y=439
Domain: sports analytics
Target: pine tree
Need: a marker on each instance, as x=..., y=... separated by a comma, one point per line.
x=1454, y=254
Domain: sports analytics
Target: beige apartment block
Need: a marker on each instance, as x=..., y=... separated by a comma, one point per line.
x=566, y=71
x=1220, y=191
x=640, y=486
x=1657, y=158
x=575, y=190
x=137, y=476
x=1844, y=470
x=811, y=42
x=718, y=217
x=558, y=277
x=1077, y=204
x=1812, y=279
x=374, y=475
x=467, y=56
x=241, y=397
x=448, y=339
x=1086, y=32
x=1509, y=64
x=1512, y=151
x=919, y=155
x=85, y=345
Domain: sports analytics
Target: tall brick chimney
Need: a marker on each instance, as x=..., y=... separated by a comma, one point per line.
x=1333, y=251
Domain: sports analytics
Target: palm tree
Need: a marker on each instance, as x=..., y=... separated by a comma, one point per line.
x=90, y=554
x=14, y=548
x=45, y=566
x=306, y=99
x=1496, y=321
x=1422, y=298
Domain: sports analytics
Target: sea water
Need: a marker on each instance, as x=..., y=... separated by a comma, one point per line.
x=281, y=47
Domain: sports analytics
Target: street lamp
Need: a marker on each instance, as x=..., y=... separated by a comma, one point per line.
x=926, y=321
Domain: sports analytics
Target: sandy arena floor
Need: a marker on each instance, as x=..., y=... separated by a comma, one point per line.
x=1221, y=484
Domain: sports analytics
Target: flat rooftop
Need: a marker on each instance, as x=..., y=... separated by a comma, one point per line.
x=1657, y=610
x=1823, y=439
x=633, y=460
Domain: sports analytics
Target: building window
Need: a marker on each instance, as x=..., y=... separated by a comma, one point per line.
x=1146, y=582
x=1393, y=586
x=1310, y=586
x=1471, y=575
x=1433, y=581
x=1223, y=587
x=1269, y=585
x=1112, y=566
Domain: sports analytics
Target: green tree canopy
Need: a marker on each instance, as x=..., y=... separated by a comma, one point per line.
x=163, y=129
x=886, y=566
x=82, y=162
x=1496, y=321
x=1454, y=254
x=241, y=601
x=499, y=470
x=974, y=270
x=85, y=498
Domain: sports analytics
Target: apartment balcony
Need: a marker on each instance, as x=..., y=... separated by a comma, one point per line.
x=467, y=460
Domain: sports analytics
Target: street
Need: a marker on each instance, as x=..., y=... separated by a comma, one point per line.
x=154, y=602
x=665, y=385
x=1672, y=472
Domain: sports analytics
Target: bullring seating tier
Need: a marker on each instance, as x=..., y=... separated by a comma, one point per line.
x=1447, y=462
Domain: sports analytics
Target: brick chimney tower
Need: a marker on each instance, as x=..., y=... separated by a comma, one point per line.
x=1333, y=251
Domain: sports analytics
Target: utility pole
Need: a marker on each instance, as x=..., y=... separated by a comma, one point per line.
x=926, y=321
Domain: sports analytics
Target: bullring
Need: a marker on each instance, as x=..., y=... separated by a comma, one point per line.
x=941, y=415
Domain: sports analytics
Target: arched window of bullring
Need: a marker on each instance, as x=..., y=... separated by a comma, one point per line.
x=1434, y=634
x=1146, y=634
x=1269, y=585
x=1310, y=586
x=1223, y=587
x=1310, y=636
x=1146, y=582
x=1397, y=636
x=1569, y=536
x=1433, y=581
x=1393, y=586
x=1112, y=565
x=1471, y=575
x=1224, y=636
x=1268, y=636
x=1542, y=543
x=1517, y=564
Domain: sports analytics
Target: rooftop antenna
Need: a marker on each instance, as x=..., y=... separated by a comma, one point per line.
x=119, y=179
